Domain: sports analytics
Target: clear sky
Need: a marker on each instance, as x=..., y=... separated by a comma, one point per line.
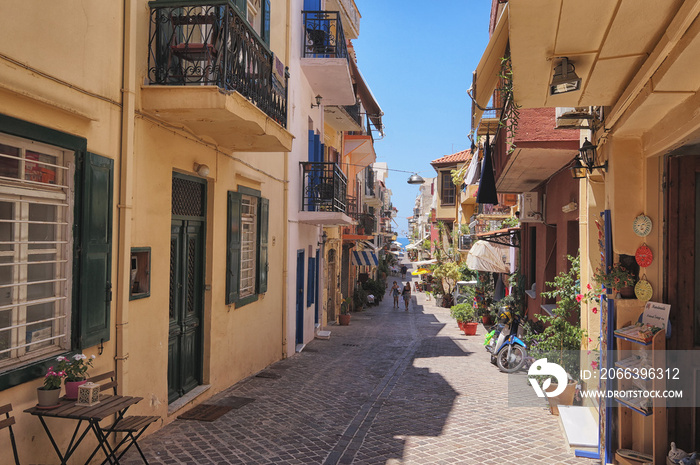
x=418, y=61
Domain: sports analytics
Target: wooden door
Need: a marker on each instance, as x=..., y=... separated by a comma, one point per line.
x=683, y=281
x=187, y=239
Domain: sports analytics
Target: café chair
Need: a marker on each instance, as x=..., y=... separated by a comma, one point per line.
x=133, y=426
x=7, y=423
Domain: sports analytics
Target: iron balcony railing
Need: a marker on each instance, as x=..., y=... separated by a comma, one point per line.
x=353, y=112
x=323, y=35
x=211, y=44
x=324, y=187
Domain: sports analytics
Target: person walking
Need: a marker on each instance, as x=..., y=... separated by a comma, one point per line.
x=406, y=293
x=395, y=291
x=403, y=271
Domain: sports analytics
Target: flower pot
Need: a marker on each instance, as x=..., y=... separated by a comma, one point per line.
x=486, y=319
x=565, y=398
x=470, y=329
x=627, y=292
x=72, y=389
x=47, y=397
x=460, y=324
x=344, y=319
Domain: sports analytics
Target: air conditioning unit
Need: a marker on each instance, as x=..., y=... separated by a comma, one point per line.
x=530, y=208
x=465, y=242
x=571, y=117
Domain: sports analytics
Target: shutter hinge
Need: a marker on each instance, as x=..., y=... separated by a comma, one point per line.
x=109, y=292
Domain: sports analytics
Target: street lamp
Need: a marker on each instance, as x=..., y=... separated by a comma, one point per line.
x=415, y=179
x=585, y=161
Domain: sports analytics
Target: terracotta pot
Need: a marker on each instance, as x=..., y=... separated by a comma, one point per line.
x=470, y=329
x=344, y=319
x=486, y=319
x=47, y=397
x=627, y=292
x=565, y=398
x=460, y=324
x=72, y=389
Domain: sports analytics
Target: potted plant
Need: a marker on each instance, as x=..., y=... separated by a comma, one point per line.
x=48, y=394
x=359, y=299
x=618, y=278
x=344, y=317
x=465, y=315
x=75, y=369
x=560, y=340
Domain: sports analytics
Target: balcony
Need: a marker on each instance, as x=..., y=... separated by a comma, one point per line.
x=324, y=194
x=209, y=70
x=325, y=58
x=344, y=117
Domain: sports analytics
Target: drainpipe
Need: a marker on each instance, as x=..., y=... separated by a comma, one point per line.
x=285, y=216
x=125, y=188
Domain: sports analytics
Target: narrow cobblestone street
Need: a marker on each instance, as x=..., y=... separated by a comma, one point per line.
x=393, y=387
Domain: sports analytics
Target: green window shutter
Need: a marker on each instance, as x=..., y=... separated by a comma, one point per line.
x=264, y=220
x=233, y=255
x=95, y=293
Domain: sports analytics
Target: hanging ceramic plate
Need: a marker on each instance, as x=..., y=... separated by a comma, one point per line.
x=642, y=225
x=644, y=256
x=643, y=290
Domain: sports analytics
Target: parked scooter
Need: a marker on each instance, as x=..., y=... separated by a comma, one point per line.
x=507, y=350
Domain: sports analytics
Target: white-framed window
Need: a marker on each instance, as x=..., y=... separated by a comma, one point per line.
x=36, y=204
x=249, y=245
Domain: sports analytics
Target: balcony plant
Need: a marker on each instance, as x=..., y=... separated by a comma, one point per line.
x=75, y=369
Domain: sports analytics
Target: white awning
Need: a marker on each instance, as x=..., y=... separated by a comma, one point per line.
x=424, y=262
x=484, y=256
x=364, y=258
x=415, y=245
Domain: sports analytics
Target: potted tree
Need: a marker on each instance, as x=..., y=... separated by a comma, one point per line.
x=560, y=340
x=344, y=317
x=619, y=279
x=465, y=315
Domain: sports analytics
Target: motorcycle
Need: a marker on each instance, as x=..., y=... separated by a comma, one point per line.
x=507, y=350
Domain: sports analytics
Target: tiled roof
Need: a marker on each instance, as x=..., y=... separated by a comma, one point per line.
x=459, y=157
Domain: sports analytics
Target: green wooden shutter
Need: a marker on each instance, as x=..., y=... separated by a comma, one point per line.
x=233, y=255
x=95, y=285
x=264, y=220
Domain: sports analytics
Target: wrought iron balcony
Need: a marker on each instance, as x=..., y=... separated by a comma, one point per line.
x=324, y=187
x=323, y=35
x=211, y=44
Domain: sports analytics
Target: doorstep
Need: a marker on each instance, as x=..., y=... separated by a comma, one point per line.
x=188, y=398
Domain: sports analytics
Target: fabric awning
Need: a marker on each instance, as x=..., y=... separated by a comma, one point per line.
x=424, y=262
x=415, y=245
x=484, y=256
x=490, y=65
x=364, y=258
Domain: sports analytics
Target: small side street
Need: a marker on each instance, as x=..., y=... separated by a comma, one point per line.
x=392, y=387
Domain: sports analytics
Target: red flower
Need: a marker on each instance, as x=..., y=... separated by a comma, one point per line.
x=594, y=365
x=589, y=286
x=595, y=310
x=579, y=297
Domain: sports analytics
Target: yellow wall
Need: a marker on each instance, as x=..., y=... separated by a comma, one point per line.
x=69, y=78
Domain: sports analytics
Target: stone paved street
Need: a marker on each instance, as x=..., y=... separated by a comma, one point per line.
x=393, y=387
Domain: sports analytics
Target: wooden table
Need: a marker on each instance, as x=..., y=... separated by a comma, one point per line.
x=108, y=406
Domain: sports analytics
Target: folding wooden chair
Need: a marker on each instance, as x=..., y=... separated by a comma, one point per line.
x=7, y=423
x=133, y=426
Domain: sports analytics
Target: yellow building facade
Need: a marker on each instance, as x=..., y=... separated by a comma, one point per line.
x=142, y=200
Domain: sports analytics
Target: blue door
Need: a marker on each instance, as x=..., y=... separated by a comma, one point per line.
x=316, y=287
x=300, y=297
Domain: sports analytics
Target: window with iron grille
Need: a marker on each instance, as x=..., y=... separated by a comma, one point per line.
x=447, y=189
x=35, y=250
x=249, y=245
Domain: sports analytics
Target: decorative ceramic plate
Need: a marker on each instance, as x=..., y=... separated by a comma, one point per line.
x=644, y=256
x=642, y=225
x=643, y=290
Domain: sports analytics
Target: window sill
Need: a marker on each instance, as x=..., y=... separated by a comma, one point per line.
x=29, y=372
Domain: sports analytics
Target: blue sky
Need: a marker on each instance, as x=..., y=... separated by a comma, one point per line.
x=419, y=63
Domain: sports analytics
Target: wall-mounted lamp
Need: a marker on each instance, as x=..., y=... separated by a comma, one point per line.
x=324, y=238
x=415, y=179
x=318, y=102
x=565, y=78
x=585, y=162
x=202, y=170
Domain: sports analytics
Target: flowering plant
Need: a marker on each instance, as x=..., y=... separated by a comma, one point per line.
x=75, y=368
x=617, y=278
x=52, y=380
